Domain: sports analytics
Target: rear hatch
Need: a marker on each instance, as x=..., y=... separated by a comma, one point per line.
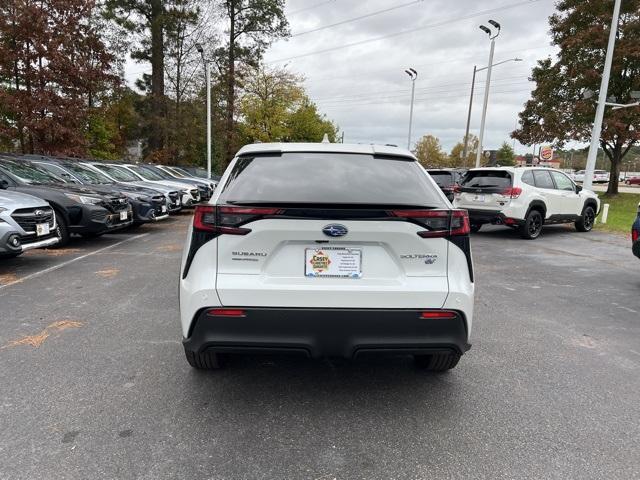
x=485, y=190
x=330, y=230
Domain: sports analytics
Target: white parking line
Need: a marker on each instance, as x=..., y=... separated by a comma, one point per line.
x=68, y=262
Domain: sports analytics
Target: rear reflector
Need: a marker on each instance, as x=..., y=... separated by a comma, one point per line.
x=225, y=312
x=438, y=314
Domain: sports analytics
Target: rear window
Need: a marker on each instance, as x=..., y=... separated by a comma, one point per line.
x=486, y=179
x=329, y=178
x=443, y=179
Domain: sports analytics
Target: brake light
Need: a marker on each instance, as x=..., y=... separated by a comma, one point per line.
x=226, y=312
x=512, y=192
x=228, y=220
x=438, y=314
x=439, y=223
x=635, y=234
x=204, y=218
x=455, y=188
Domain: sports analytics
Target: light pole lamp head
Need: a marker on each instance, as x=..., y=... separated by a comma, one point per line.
x=495, y=24
x=412, y=73
x=485, y=30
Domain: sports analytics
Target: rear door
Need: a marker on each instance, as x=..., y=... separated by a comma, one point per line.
x=330, y=230
x=485, y=190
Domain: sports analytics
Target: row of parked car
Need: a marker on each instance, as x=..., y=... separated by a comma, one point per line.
x=44, y=200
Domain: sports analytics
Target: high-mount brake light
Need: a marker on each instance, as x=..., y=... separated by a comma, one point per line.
x=512, y=192
x=439, y=223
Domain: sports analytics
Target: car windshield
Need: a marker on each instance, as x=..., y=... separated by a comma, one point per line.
x=329, y=178
x=177, y=172
x=119, y=173
x=443, y=179
x=86, y=174
x=146, y=173
x=158, y=171
x=31, y=174
x=486, y=179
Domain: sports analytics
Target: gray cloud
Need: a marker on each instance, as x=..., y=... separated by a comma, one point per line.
x=364, y=87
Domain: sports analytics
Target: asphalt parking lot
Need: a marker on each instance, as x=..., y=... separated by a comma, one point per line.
x=95, y=384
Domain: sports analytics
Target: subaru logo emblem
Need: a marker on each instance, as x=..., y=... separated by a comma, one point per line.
x=335, y=230
x=38, y=213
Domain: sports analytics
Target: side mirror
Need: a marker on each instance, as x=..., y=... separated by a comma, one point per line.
x=578, y=188
x=4, y=184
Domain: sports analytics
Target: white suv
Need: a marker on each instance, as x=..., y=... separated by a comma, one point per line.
x=526, y=199
x=327, y=250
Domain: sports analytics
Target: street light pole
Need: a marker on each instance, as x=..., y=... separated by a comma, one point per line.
x=465, y=149
x=602, y=99
x=208, y=75
x=487, y=85
x=466, y=132
x=207, y=70
x=413, y=75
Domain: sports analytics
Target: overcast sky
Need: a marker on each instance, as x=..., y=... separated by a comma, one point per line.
x=364, y=89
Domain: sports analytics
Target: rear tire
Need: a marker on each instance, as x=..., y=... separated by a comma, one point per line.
x=532, y=226
x=63, y=231
x=587, y=220
x=475, y=228
x=203, y=361
x=440, y=362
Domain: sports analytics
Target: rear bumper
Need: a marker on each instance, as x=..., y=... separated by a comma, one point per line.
x=636, y=248
x=327, y=332
x=495, y=217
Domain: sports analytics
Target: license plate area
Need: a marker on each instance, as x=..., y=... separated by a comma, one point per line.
x=42, y=229
x=123, y=215
x=479, y=198
x=333, y=262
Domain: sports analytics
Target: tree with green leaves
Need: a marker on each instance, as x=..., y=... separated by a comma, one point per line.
x=505, y=155
x=455, y=157
x=558, y=111
x=251, y=27
x=275, y=108
x=429, y=152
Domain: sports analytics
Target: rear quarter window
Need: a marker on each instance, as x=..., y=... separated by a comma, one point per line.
x=329, y=178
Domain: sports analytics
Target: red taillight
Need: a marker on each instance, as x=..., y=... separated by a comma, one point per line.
x=438, y=314
x=226, y=312
x=228, y=220
x=635, y=234
x=455, y=188
x=512, y=192
x=204, y=218
x=460, y=224
x=439, y=223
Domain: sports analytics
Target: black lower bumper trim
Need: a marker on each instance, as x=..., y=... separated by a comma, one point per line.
x=328, y=332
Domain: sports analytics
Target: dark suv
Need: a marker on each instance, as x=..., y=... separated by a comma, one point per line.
x=77, y=209
x=447, y=179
